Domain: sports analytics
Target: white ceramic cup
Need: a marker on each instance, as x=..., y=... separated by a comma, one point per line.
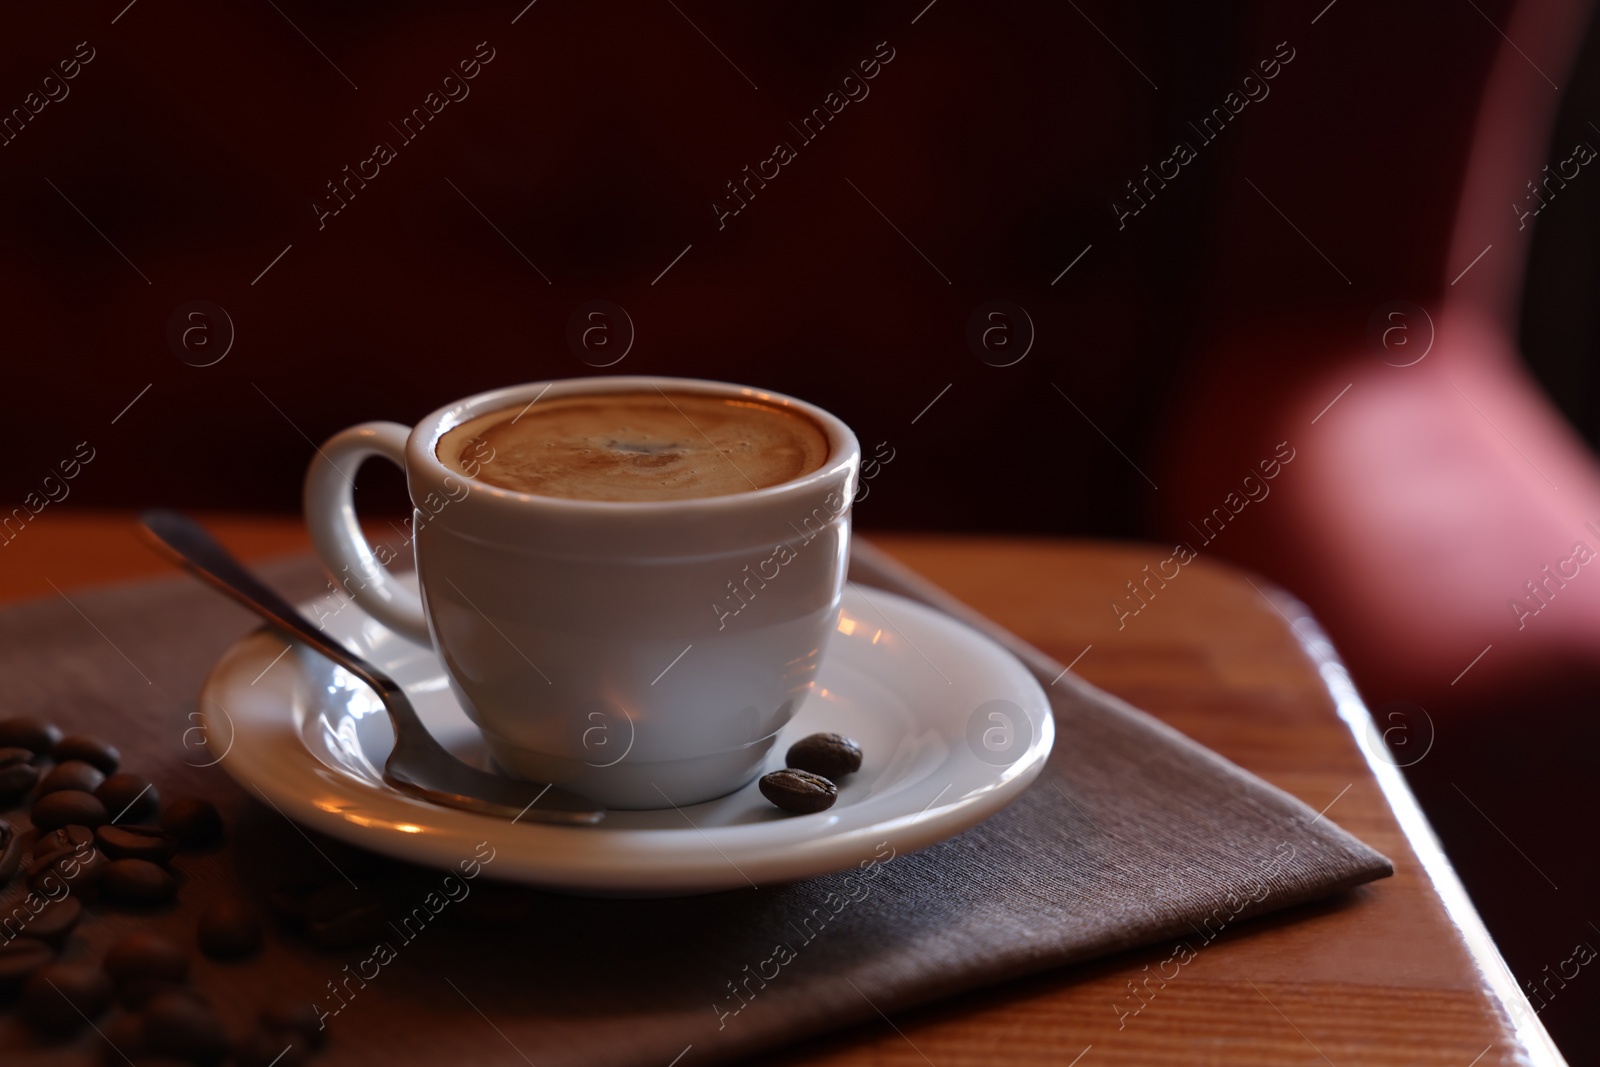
x=644, y=654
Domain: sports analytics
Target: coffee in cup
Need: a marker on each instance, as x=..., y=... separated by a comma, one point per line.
x=636, y=446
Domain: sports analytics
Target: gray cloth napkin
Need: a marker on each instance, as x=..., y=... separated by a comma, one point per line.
x=1132, y=835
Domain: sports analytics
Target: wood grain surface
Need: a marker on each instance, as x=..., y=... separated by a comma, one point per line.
x=1395, y=973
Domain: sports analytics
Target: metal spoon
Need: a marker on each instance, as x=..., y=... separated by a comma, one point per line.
x=418, y=764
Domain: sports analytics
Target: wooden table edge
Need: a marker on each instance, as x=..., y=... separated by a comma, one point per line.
x=1498, y=981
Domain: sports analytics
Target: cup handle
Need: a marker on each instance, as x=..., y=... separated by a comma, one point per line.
x=331, y=516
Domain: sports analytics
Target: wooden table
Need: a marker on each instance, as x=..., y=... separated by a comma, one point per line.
x=1400, y=972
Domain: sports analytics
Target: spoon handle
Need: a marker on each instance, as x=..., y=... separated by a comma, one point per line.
x=186, y=543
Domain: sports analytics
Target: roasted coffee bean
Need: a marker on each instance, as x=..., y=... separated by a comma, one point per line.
x=296, y=1018
x=128, y=797
x=272, y=1048
x=64, y=839
x=89, y=750
x=143, y=956
x=136, y=843
x=229, y=928
x=18, y=773
x=831, y=755
x=78, y=872
x=339, y=916
x=178, y=1023
x=10, y=852
x=68, y=807
x=35, y=736
x=20, y=957
x=138, y=882
x=62, y=998
x=73, y=774
x=53, y=922
x=195, y=822
x=799, y=791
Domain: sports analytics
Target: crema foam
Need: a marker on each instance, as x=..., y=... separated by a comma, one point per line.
x=636, y=446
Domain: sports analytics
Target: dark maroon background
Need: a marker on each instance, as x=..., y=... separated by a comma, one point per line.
x=597, y=141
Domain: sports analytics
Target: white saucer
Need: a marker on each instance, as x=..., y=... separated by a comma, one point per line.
x=916, y=689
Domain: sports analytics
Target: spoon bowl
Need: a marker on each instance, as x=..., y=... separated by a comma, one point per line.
x=418, y=764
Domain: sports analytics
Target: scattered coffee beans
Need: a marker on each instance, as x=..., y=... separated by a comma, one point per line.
x=799, y=791
x=136, y=843
x=65, y=839
x=67, y=807
x=88, y=749
x=229, y=928
x=144, y=955
x=35, y=736
x=830, y=755
x=62, y=998
x=128, y=797
x=139, y=882
x=87, y=844
x=73, y=774
x=18, y=773
x=79, y=872
x=193, y=821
